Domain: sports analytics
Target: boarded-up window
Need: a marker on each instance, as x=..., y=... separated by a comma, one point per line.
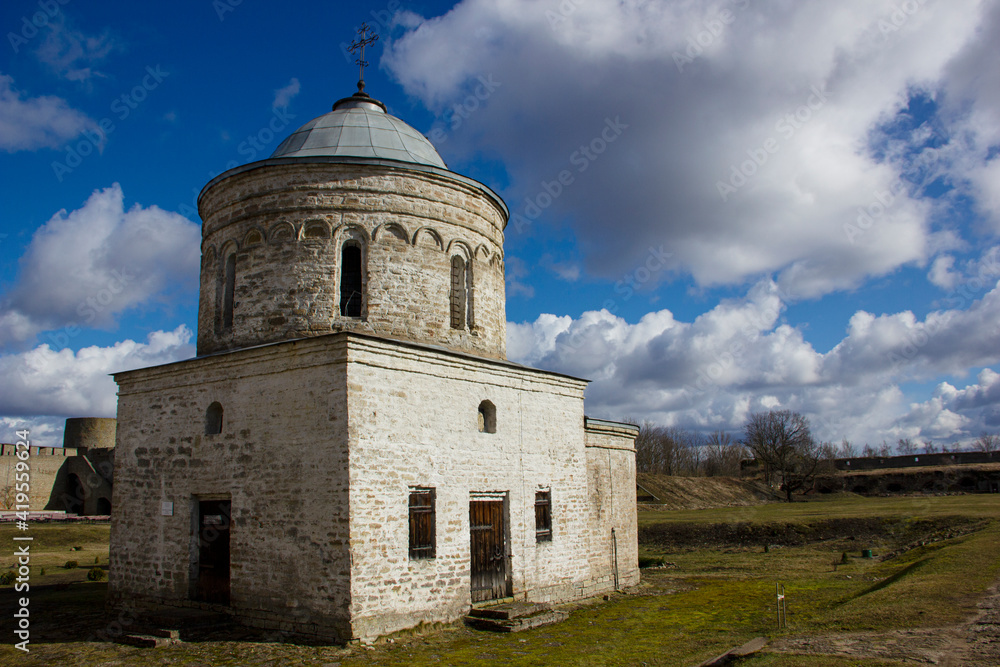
x=543, y=516
x=229, y=292
x=458, y=286
x=422, y=542
x=351, y=284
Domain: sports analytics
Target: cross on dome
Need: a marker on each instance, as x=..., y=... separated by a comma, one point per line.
x=359, y=45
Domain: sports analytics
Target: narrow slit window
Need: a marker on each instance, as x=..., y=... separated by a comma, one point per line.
x=351, y=283
x=422, y=542
x=469, y=319
x=458, y=292
x=229, y=292
x=543, y=516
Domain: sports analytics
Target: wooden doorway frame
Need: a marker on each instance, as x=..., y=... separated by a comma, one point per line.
x=490, y=576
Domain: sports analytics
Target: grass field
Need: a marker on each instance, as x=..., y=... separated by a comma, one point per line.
x=707, y=599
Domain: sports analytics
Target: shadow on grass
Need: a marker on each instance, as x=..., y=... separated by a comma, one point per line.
x=910, y=569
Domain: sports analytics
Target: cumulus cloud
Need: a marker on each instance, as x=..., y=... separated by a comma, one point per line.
x=941, y=273
x=84, y=267
x=740, y=357
x=283, y=96
x=742, y=134
x=43, y=382
x=30, y=123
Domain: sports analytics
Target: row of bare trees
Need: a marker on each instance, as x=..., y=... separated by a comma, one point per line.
x=668, y=450
x=779, y=441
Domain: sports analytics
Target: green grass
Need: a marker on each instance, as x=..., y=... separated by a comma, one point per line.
x=977, y=506
x=52, y=547
x=705, y=601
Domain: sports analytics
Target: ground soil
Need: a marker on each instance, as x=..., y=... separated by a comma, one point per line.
x=972, y=644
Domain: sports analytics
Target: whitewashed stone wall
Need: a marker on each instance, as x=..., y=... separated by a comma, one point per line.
x=287, y=221
x=281, y=458
x=414, y=423
x=614, y=546
x=322, y=439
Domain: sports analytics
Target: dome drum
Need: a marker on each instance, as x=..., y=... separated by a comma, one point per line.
x=295, y=248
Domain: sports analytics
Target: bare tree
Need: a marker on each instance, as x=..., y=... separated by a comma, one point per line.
x=722, y=455
x=848, y=450
x=781, y=441
x=868, y=451
x=646, y=450
x=987, y=442
x=905, y=446
x=665, y=450
x=7, y=497
x=930, y=448
x=885, y=449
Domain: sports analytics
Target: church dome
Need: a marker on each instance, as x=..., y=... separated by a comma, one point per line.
x=359, y=126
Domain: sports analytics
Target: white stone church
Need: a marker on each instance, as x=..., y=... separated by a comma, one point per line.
x=350, y=453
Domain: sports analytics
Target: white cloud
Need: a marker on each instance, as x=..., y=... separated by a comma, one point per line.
x=43, y=382
x=739, y=357
x=30, y=123
x=72, y=54
x=42, y=431
x=790, y=96
x=84, y=267
x=941, y=273
x=283, y=96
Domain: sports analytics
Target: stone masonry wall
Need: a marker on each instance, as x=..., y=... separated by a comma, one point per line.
x=414, y=424
x=53, y=485
x=281, y=457
x=287, y=223
x=611, y=473
x=322, y=440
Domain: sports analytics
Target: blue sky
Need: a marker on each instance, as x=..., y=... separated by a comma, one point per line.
x=719, y=207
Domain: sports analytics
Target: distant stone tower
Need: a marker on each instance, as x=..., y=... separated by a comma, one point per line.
x=354, y=224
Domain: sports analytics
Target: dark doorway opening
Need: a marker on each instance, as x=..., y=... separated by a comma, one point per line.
x=74, y=494
x=211, y=567
x=103, y=506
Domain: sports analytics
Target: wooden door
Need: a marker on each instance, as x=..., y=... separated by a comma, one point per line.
x=213, y=551
x=490, y=570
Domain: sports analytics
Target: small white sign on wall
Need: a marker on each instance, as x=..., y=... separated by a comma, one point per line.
x=166, y=508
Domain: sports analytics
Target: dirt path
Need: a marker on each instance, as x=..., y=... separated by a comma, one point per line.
x=973, y=644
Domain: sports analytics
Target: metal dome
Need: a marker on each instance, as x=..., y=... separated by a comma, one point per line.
x=359, y=126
